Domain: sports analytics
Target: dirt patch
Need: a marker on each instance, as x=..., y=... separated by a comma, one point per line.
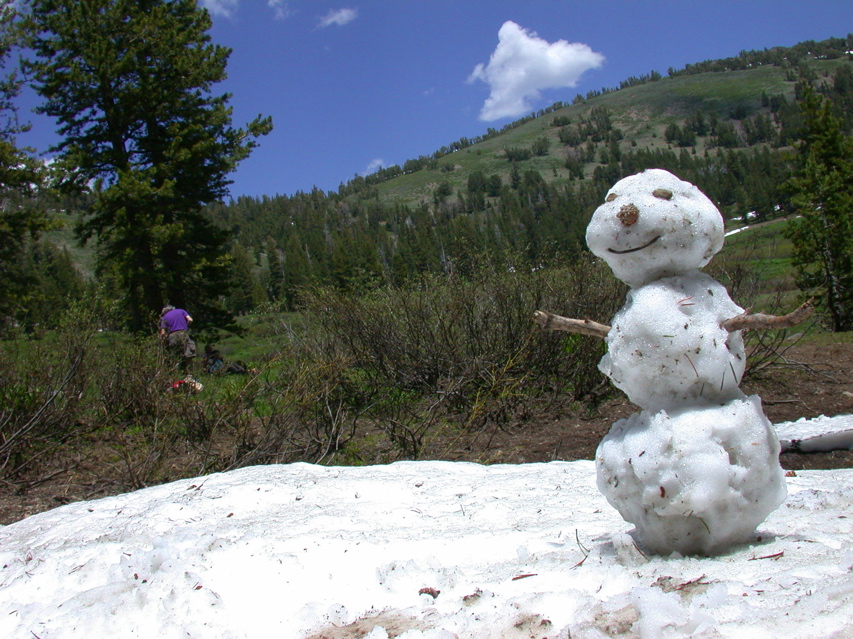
x=395, y=623
x=816, y=380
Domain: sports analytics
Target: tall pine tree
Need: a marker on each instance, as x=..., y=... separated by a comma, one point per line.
x=20, y=220
x=823, y=197
x=129, y=82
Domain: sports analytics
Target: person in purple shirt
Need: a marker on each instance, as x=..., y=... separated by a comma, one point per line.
x=175, y=332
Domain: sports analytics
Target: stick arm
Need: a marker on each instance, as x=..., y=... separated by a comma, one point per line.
x=746, y=320
x=760, y=320
x=559, y=323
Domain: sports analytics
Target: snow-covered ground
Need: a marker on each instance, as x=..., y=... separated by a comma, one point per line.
x=417, y=549
x=816, y=435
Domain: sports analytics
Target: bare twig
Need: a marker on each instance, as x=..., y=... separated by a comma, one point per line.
x=583, y=549
x=776, y=555
x=693, y=582
x=760, y=320
x=10, y=442
x=27, y=484
x=640, y=551
x=560, y=323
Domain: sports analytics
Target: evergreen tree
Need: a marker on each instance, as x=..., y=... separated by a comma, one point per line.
x=672, y=133
x=494, y=185
x=297, y=270
x=823, y=196
x=354, y=263
x=20, y=220
x=275, y=283
x=55, y=281
x=477, y=187
x=248, y=293
x=129, y=82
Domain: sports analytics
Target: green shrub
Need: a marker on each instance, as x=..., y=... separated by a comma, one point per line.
x=468, y=346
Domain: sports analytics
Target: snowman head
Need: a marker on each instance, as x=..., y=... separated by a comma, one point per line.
x=654, y=225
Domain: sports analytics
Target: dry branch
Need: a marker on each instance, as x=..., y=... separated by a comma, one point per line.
x=745, y=320
x=560, y=323
x=761, y=321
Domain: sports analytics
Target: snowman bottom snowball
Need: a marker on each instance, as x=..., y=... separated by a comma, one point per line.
x=693, y=481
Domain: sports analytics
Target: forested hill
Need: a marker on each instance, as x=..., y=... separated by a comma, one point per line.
x=524, y=193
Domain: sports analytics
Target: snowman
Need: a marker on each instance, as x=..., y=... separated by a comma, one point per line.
x=697, y=470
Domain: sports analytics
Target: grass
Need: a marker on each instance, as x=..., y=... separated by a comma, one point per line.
x=62, y=235
x=642, y=111
x=823, y=337
x=264, y=333
x=765, y=252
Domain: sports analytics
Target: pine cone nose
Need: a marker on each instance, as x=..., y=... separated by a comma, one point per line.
x=628, y=214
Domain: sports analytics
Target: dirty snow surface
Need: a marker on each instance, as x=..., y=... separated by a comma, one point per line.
x=416, y=550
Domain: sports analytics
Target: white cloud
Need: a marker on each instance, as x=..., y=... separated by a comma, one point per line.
x=338, y=17
x=374, y=165
x=221, y=7
x=281, y=8
x=523, y=64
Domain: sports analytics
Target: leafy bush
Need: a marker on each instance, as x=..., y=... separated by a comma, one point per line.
x=42, y=385
x=467, y=346
x=401, y=372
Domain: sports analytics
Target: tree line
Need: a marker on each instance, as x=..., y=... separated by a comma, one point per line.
x=359, y=243
x=147, y=148
x=288, y=242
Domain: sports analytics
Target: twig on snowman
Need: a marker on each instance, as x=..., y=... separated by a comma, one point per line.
x=748, y=320
x=560, y=323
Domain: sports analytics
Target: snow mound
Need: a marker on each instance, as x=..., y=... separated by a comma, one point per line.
x=817, y=434
x=428, y=550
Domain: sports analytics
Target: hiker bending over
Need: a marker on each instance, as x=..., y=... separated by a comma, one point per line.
x=175, y=331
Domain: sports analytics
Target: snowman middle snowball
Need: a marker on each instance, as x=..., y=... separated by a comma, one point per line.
x=666, y=346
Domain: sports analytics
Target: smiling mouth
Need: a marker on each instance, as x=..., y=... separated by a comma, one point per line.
x=636, y=248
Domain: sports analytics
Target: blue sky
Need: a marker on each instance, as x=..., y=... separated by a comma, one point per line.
x=353, y=85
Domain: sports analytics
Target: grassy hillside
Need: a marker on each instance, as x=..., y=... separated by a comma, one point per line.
x=642, y=112
x=62, y=235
